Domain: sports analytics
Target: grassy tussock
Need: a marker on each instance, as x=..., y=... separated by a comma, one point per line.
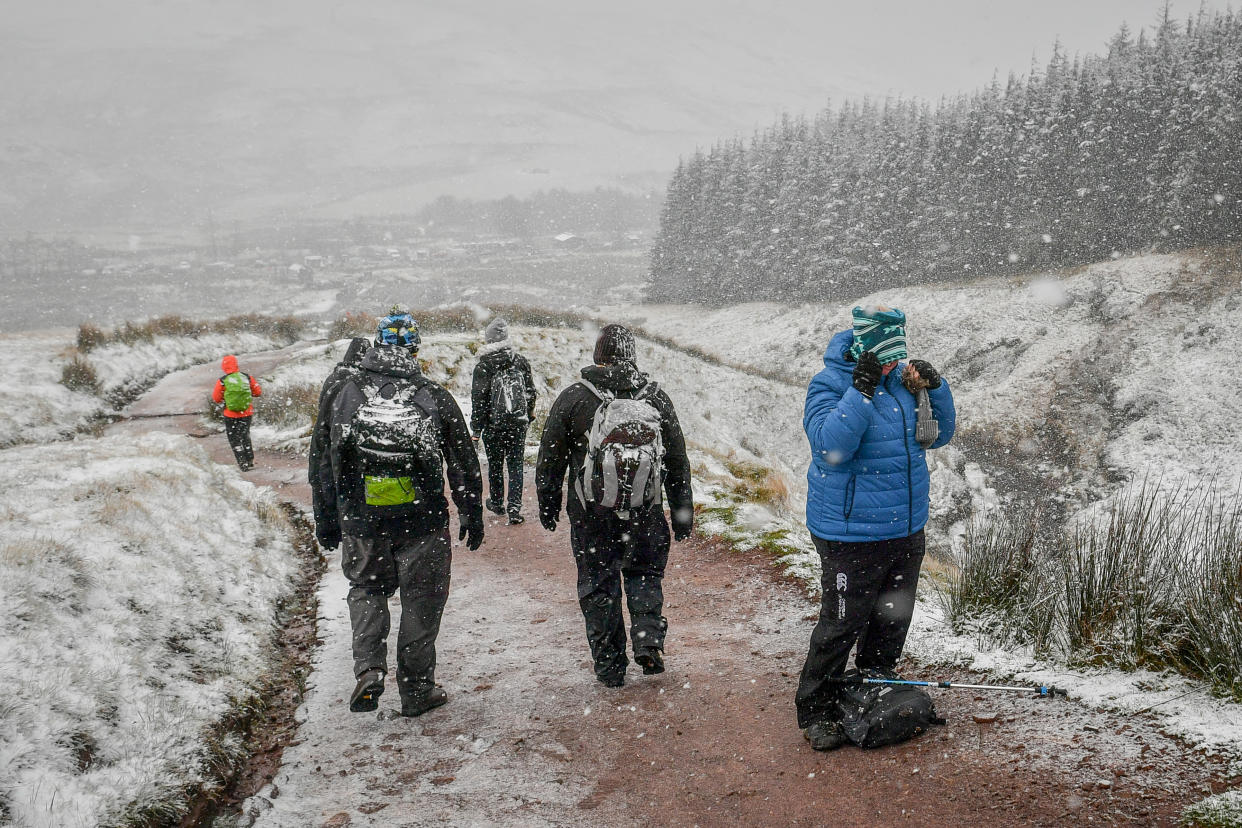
x=280, y=328
x=79, y=375
x=459, y=319
x=286, y=407
x=1156, y=585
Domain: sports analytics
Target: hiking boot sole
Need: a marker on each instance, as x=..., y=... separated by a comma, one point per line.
x=825, y=739
x=366, y=696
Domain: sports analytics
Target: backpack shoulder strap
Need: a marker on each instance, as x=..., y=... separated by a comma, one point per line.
x=603, y=395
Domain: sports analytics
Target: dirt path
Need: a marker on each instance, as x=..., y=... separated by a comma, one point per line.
x=530, y=738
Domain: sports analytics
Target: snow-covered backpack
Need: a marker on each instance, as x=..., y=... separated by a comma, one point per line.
x=396, y=436
x=509, y=404
x=624, y=465
x=237, y=395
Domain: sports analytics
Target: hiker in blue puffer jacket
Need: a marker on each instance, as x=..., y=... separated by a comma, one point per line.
x=867, y=503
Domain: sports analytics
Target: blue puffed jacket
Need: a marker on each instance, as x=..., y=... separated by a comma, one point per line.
x=868, y=478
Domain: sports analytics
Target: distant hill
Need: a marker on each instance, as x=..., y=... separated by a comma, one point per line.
x=150, y=113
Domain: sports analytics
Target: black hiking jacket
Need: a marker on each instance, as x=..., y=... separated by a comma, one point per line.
x=494, y=358
x=564, y=444
x=339, y=489
x=344, y=370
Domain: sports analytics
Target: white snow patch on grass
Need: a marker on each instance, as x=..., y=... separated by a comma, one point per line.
x=140, y=583
x=1224, y=810
x=34, y=406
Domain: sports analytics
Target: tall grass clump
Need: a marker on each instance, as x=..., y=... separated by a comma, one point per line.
x=1155, y=581
x=1005, y=582
x=79, y=375
x=281, y=328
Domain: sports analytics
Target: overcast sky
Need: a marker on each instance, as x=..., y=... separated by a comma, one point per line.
x=142, y=109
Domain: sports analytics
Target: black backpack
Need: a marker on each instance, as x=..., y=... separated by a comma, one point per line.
x=875, y=715
x=395, y=434
x=509, y=404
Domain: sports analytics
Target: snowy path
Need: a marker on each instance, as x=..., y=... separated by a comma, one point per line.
x=530, y=738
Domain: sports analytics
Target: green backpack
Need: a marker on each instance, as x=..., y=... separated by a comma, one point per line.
x=236, y=392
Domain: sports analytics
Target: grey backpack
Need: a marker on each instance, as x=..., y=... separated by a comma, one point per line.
x=624, y=466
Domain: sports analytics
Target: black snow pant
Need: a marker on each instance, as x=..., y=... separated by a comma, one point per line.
x=238, y=431
x=612, y=553
x=505, y=449
x=868, y=598
x=419, y=567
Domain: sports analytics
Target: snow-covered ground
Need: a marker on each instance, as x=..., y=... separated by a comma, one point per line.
x=1076, y=380
x=36, y=408
x=139, y=583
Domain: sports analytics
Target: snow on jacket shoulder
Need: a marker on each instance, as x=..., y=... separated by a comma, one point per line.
x=868, y=478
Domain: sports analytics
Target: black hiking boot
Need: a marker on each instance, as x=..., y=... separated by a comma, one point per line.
x=825, y=735
x=516, y=519
x=494, y=506
x=651, y=660
x=612, y=679
x=433, y=698
x=365, y=697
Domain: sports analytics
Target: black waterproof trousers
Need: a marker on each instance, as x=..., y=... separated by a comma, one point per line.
x=418, y=566
x=612, y=554
x=505, y=449
x=237, y=429
x=868, y=598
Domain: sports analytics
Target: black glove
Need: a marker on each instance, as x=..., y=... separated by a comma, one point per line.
x=328, y=533
x=682, y=531
x=472, y=532
x=549, y=518
x=867, y=374
x=926, y=372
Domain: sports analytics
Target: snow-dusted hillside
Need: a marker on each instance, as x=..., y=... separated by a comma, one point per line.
x=35, y=407
x=139, y=583
x=1065, y=383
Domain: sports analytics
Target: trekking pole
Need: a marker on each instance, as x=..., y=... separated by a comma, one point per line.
x=1044, y=691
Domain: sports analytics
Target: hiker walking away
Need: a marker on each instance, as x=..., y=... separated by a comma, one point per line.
x=502, y=405
x=392, y=436
x=235, y=391
x=344, y=370
x=616, y=434
x=869, y=418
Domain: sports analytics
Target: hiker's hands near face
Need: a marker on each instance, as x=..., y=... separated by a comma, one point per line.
x=921, y=374
x=867, y=374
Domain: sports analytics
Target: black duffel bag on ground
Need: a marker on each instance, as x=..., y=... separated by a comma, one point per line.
x=875, y=715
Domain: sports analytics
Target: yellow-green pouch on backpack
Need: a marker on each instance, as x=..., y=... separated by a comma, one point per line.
x=389, y=491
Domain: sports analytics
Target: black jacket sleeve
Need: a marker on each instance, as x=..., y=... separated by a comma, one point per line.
x=531, y=393
x=554, y=452
x=460, y=458
x=676, y=465
x=336, y=409
x=480, y=398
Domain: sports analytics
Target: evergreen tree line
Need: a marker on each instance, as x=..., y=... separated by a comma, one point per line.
x=1081, y=159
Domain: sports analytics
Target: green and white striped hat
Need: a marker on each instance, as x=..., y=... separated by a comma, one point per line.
x=883, y=332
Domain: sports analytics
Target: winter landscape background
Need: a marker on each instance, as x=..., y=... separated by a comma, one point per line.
x=183, y=181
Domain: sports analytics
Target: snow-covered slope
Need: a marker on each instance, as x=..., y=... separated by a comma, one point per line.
x=139, y=583
x=35, y=407
x=1067, y=383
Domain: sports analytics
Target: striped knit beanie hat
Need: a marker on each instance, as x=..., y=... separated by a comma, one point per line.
x=883, y=332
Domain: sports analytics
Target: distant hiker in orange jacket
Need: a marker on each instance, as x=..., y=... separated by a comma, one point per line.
x=235, y=391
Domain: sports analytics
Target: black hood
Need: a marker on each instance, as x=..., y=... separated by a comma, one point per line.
x=498, y=354
x=623, y=377
x=358, y=346
x=392, y=360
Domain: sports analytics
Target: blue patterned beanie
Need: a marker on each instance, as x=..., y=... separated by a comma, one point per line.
x=883, y=332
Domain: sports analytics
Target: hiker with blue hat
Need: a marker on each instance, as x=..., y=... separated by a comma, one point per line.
x=393, y=436
x=870, y=417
